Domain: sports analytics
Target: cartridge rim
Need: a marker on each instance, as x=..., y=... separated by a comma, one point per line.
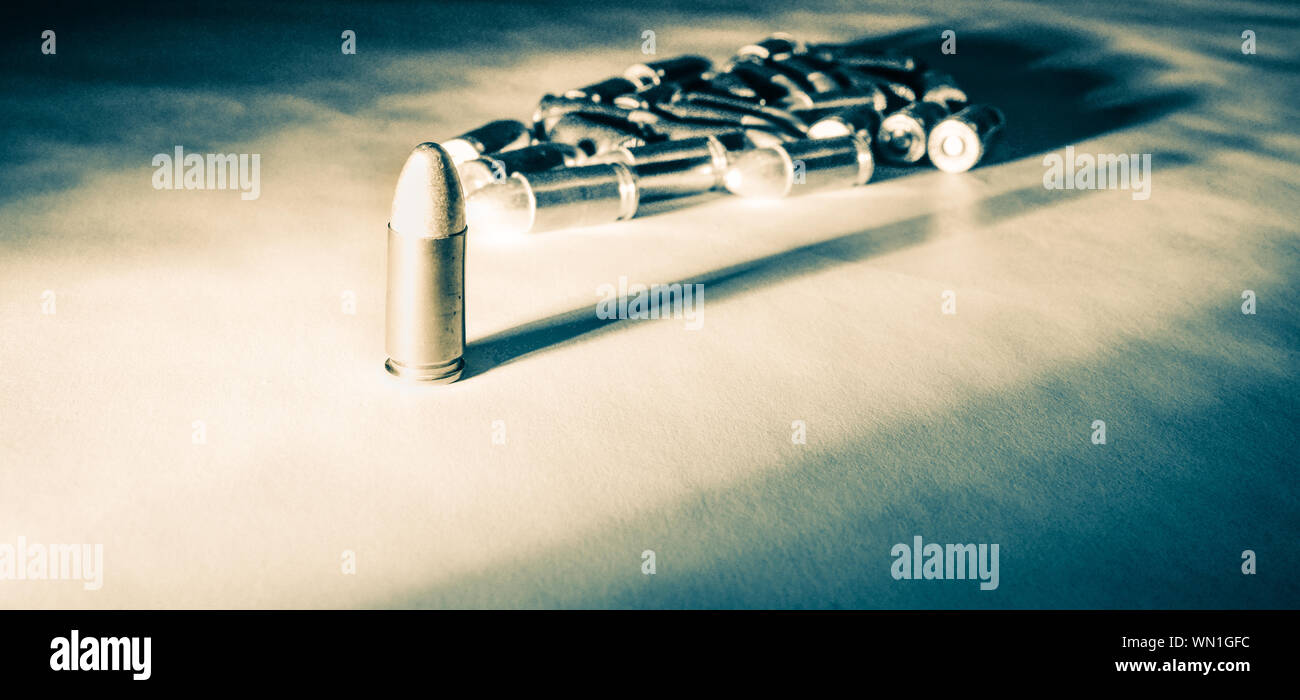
x=530, y=197
x=901, y=123
x=629, y=194
x=443, y=373
x=866, y=161
x=718, y=152
x=954, y=146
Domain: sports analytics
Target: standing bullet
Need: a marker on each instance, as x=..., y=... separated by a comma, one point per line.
x=957, y=143
x=800, y=166
x=902, y=136
x=425, y=307
x=499, y=135
x=555, y=199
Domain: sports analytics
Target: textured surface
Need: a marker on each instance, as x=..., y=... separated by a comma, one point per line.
x=622, y=436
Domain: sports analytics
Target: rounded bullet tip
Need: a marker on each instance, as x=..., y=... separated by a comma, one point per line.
x=428, y=200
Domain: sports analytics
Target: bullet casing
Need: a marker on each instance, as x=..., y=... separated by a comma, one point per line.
x=831, y=162
x=862, y=121
x=556, y=199
x=425, y=307
x=674, y=168
x=800, y=166
x=903, y=135
x=959, y=142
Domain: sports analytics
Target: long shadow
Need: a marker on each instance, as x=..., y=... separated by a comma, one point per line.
x=484, y=354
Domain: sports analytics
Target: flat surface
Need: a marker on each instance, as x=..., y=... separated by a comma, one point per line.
x=1072, y=306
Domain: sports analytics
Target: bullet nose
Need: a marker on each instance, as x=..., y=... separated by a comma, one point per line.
x=428, y=201
x=425, y=303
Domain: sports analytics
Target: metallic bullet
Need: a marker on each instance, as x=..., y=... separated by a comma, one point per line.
x=492, y=137
x=785, y=118
x=897, y=93
x=756, y=135
x=862, y=121
x=734, y=142
x=552, y=107
x=823, y=102
x=425, y=307
x=772, y=86
x=692, y=107
x=934, y=86
x=810, y=75
x=729, y=85
x=595, y=133
x=555, y=199
x=864, y=57
x=859, y=83
x=604, y=91
x=673, y=70
x=800, y=166
x=498, y=166
x=777, y=47
x=674, y=168
x=672, y=112
x=960, y=141
x=902, y=136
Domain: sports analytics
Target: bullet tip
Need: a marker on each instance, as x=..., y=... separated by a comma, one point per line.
x=428, y=200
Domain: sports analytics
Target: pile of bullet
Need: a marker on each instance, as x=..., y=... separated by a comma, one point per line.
x=781, y=117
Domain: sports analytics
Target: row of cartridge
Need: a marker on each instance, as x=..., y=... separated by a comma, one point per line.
x=781, y=117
